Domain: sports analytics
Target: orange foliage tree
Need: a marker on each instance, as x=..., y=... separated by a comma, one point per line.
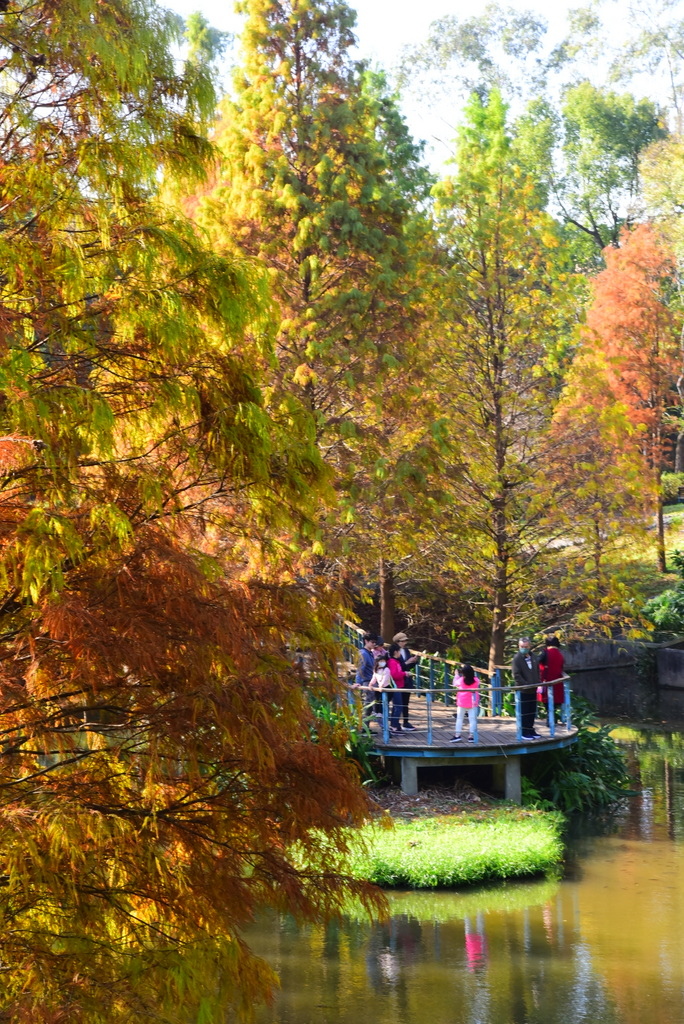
x=599, y=469
x=632, y=322
x=161, y=774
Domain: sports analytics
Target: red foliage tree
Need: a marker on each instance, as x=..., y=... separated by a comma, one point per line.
x=631, y=320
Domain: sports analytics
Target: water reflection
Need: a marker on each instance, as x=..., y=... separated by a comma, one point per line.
x=495, y=966
x=619, y=692
x=475, y=942
x=657, y=765
x=605, y=945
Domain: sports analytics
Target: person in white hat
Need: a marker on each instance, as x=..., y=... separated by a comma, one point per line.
x=407, y=661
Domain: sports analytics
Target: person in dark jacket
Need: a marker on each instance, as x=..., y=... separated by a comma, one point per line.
x=365, y=665
x=408, y=663
x=526, y=674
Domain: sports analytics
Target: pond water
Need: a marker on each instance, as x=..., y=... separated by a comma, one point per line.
x=603, y=945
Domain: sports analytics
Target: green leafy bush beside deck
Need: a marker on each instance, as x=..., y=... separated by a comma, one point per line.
x=452, y=851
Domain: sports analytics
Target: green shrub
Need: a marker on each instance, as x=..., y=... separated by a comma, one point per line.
x=451, y=851
x=669, y=487
x=591, y=775
x=358, y=739
x=666, y=611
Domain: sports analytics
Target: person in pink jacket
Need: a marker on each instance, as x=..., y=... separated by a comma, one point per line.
x=467, y=699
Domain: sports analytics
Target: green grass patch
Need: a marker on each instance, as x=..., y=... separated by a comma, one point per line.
x=457, y=850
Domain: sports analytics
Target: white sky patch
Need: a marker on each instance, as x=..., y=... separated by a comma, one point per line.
x=385, y=27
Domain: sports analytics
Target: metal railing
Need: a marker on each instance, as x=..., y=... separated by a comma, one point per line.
x=365, y=708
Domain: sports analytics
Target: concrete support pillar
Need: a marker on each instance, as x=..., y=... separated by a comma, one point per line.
x=499, y=777
x=409, y=775
x=513, y=790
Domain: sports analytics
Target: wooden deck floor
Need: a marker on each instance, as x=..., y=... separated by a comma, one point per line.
x=493, y=733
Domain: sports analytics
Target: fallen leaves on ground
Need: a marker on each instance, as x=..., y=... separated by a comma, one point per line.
x=432, y=801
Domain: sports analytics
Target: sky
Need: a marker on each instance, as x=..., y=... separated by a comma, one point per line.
x=384, y=28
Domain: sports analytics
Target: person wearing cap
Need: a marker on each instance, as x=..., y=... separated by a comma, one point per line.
x=525, y=669
x=365, y=667
x=407, y=661
x=379, y=651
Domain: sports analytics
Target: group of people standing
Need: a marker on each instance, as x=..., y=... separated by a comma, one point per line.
x=389, y=669
x=532, y=673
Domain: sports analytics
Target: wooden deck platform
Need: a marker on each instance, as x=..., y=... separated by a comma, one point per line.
x=497, y=744
x=492, y=732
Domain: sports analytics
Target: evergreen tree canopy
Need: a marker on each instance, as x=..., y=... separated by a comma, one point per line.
x=311, y=185
x=321, y=183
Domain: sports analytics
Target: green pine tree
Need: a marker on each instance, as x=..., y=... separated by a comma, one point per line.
x=321, y=183
x=312, y=187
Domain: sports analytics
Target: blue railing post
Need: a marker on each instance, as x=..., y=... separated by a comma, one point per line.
x=477, y=713
x=385, y=716
x=418, y=686
x=518, y=716
x=497, y=696
x=447, y=680
x=432, y=674
x=551, y=711
x=428, y=706
x=568, y=707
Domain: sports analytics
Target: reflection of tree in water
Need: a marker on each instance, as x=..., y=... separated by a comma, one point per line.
x=540, y=964
x=657, y=766
x=529, y=967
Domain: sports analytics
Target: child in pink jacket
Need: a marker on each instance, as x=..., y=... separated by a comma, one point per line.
x=467, y=699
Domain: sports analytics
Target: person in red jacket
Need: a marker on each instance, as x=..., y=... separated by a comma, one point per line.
x=551, y=667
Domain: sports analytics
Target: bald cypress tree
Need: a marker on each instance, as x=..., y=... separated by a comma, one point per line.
x=507, y=308
x=156, y=768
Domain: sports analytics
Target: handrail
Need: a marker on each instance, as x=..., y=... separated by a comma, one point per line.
x=532, y=686
x=493, y=705
x=454, y=689
x=491, y=692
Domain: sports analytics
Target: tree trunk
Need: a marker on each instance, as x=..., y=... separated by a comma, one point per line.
x=662, y=563
x=500, y=513
x=386, y=601
x=498, y=635
x=660, y=525
x=500, y=609
x=679, y=448
x=679, y=453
